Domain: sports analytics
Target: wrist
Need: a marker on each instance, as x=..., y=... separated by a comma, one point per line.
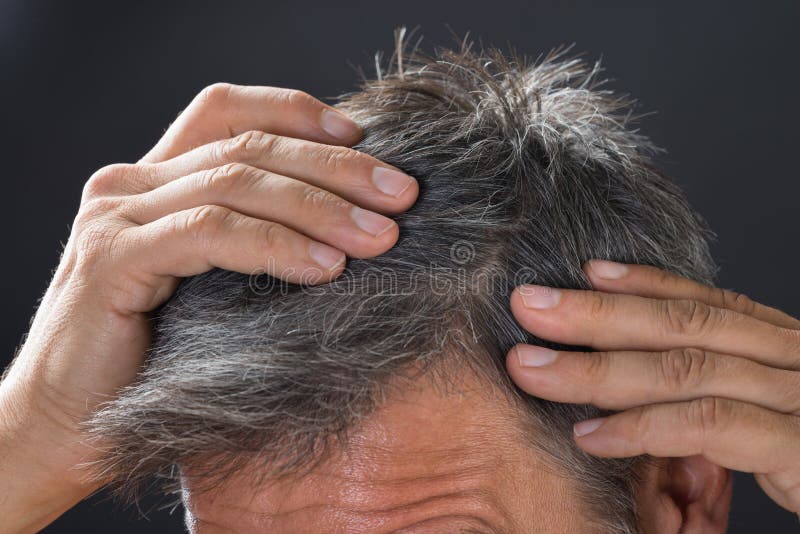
x=40, y=462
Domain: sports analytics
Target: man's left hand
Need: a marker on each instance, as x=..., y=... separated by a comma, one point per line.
x=692, y=369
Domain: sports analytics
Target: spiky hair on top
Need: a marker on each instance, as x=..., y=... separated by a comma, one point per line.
x=527, y=169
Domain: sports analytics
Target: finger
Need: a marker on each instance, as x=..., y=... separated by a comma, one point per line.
x=732, y=434
x=348, y=173
x=224, y=110
x=618, y=380
x=648, y=281
x=609, y=321
x=304, y=208
x=193, y=241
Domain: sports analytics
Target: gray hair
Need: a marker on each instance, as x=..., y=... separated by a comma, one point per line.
x=526, y=170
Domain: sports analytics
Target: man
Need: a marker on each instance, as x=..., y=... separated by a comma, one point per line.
x=378, y=402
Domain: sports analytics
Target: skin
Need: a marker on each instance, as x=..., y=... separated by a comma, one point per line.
x=428, y=460
x=258, y=179
x=251, y=179
x=693, y=370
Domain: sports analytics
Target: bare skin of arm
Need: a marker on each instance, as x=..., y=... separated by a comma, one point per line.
x=250, y=179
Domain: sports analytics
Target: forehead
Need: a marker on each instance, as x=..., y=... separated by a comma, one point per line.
x=426, y=460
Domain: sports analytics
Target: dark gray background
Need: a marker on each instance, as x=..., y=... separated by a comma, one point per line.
x=84, y=85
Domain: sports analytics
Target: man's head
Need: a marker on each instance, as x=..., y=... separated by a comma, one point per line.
x=379, y=402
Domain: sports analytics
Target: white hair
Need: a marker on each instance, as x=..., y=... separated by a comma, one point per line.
x=526, y=171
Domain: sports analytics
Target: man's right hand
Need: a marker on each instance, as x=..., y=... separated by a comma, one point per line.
x=249, y=179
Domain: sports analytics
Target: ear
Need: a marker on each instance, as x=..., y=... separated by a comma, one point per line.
x=684, y=495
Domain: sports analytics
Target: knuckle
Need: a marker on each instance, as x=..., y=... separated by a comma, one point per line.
x=267, y=144
x=270, y=234
x=682, y=369
x=226, y=177
x=244, y=146
x=204, y=222
x=598, y=306
x=642, y=422
x=315, y=199
x=598, y=365
x=596, y=372
x=707, y=416
x=338, y=159
x=737, y=302
x=215, y=95
x=106, y=180
x=296, y=98
x=690, y=317
x=663, y=278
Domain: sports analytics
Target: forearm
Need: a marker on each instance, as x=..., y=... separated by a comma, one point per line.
x=39, y=480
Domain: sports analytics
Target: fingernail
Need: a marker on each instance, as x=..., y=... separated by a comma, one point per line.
x=390, y=181
x=539, y=297
x=325, y=256
x=588, y=426
x=608, y=270
x=338, y=125
x=371, y=222
x=533, y=356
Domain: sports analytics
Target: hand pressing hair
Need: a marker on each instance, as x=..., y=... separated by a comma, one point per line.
x=693, y=369
x=249, y=179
